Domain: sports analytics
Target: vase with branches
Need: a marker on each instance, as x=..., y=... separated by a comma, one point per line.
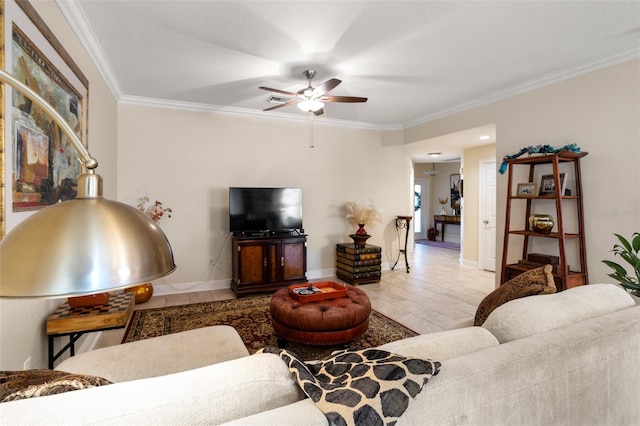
x=362, y=215
x=156, y=211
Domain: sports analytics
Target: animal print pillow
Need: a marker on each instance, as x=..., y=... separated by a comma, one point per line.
x=16, y=385
x=364, y=387
x=534, y=281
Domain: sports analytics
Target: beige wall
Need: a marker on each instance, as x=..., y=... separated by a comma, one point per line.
x=22, y=323
x=600, y=112
x=188, y=160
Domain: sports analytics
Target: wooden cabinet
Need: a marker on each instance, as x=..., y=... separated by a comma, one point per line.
x=265, y=264
x=556, y=201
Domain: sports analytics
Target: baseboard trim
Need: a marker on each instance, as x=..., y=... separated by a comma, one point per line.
x=164, y=289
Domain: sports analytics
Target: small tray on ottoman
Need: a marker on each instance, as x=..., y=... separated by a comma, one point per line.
x=317, y=291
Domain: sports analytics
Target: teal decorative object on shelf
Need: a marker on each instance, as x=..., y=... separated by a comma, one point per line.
x=536, y=149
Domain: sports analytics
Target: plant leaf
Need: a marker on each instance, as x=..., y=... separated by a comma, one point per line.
x=624, y=242
x=617, y=268
x=636, y=242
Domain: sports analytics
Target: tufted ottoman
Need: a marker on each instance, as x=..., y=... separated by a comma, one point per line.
x=324, y=322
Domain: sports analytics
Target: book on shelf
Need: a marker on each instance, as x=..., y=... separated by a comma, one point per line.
x=555, y=267
x=360, y=259
x=353, y=249
x=543, y=258
x=354, y=276
x=359, y=269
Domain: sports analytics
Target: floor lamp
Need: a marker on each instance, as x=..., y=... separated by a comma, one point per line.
x=82, y=246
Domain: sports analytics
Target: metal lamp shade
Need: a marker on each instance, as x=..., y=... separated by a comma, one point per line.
x=82, y=246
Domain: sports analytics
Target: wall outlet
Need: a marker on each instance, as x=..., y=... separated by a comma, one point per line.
x=27, y=364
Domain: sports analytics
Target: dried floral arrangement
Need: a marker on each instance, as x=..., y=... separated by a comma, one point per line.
x=155, y=211
x=358, y=214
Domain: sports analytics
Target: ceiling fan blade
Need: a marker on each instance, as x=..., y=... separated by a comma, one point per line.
x=319, y=112
x=343, y=99
x=283, y=92
x=326, y=86
x=293, y=102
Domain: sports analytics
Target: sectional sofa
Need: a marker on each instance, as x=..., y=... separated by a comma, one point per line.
x=570, y=358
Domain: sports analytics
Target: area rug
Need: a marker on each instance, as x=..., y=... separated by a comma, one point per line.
x=251, y=318
x=439, y=244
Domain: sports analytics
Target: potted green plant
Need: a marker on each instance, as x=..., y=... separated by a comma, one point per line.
x=628, y=251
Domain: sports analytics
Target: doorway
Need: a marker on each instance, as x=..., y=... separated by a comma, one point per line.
x=421, y=209
x=487, y=237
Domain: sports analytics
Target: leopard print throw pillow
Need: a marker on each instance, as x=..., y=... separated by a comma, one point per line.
x=363, y=387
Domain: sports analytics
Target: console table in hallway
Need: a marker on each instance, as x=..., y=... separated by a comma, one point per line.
x=445, y=220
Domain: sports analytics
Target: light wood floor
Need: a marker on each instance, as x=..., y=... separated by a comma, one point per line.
x=436, y=294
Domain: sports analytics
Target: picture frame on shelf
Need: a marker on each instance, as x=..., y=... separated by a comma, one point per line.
x=528, y=189
x=548, y=187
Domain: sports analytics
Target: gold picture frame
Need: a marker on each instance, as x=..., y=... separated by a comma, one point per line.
x=528, y=189
x=43, y=163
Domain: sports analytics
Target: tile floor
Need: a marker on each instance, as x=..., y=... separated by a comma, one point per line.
x=437, y=294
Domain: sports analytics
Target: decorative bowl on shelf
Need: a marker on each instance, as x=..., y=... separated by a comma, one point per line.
x=541, y=223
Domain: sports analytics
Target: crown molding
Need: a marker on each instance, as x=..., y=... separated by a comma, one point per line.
x=602, y=62
x=78, y=21
x=198, y=107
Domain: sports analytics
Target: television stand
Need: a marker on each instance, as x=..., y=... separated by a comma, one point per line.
x=263, y=264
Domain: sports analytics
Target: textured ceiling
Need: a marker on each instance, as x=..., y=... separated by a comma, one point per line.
x=414, y=60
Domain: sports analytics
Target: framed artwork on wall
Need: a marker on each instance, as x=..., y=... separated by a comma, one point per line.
x=43, y=164
x=456, y=193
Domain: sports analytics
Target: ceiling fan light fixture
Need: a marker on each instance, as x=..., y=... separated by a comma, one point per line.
x=310, y=105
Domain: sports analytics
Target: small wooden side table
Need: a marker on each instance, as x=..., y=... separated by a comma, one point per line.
x=74, y=322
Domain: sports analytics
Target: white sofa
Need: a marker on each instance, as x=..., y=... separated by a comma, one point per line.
x=570, y=358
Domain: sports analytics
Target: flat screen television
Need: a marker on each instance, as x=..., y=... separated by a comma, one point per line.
x=265, y=209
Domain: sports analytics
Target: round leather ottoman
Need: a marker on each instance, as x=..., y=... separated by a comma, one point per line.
x=324, y=322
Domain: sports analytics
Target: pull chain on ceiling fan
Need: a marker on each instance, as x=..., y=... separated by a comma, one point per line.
x=312, y=99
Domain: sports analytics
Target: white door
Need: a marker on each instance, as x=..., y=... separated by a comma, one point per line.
x=488, y=214
x=421, y=203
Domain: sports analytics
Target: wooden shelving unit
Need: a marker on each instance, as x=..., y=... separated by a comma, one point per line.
x=564, y=278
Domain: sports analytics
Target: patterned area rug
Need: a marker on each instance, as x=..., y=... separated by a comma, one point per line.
x=250, y=317
x=440, y=244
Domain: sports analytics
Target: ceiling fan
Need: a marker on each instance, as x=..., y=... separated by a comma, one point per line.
x=312, y=99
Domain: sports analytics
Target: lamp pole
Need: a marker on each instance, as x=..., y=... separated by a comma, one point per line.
x=85, y=158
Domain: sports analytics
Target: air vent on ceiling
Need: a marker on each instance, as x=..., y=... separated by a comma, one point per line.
x=278, y=99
